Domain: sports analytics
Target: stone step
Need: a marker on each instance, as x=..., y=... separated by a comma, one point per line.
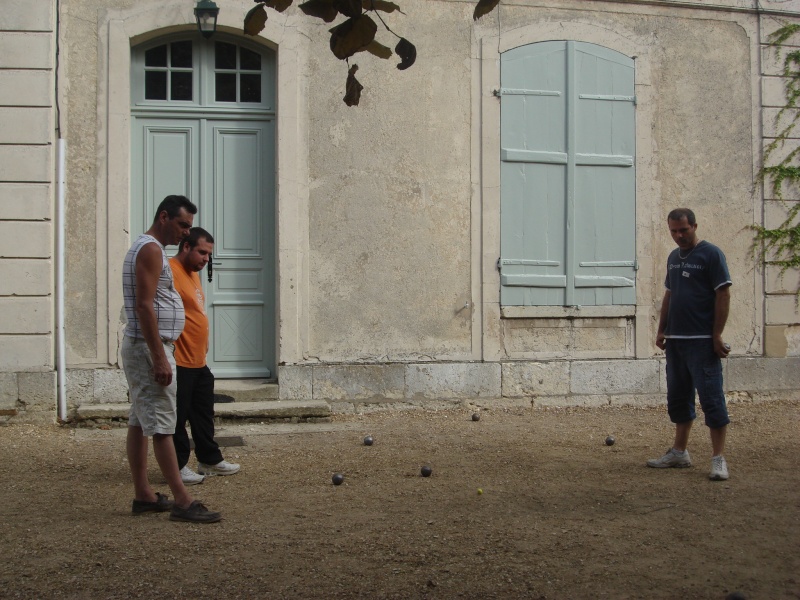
x=229, y=411
x=245, y=390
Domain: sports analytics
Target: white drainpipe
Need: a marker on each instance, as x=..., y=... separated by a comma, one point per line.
x=61, y=229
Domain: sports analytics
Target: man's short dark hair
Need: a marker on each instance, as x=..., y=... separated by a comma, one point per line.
x=195, y=235
x=678, y=213
x=173, y=205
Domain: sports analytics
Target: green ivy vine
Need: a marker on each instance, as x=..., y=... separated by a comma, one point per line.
x=781, y=246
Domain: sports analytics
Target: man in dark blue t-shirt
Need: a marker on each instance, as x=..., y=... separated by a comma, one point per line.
x=693, y=314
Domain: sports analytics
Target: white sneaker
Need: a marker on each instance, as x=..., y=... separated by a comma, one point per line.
x=221, y=468
x=671, y=459
x=719, y=469
x=189, y=477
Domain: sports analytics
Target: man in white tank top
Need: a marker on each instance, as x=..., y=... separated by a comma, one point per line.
x=155, y=318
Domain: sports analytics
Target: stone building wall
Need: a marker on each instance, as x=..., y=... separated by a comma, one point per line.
x=388, y=228
x=27, y=189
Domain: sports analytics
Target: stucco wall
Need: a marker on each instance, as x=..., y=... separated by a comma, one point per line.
x=387, y=284
x=694, y=88
x=85, y=286
x=389, y=206
x=393, y=223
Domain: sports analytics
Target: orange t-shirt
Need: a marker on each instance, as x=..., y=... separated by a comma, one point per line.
x=192, y=345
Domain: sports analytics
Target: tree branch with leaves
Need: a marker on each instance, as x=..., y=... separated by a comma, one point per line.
x=356, y=33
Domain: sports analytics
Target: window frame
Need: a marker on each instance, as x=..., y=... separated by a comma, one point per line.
x=203, y=75
x=491, y=323
x=556, y=273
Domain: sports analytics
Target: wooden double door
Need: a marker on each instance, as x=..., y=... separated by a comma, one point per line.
x=226, y=166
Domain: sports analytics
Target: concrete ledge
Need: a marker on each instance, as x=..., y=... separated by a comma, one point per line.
x=456, y=380
x=103, y=411
x=524, y=378
x=273, y=409
x=296, y=382
x=247, y=390
x=355, y=389
x=268, y=409
x=763, y=374
x=359, y=382
x=615, y=377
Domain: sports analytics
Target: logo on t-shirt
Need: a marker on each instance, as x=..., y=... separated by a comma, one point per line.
x=198, y=296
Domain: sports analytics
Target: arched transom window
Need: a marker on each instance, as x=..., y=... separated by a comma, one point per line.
x=193, y=72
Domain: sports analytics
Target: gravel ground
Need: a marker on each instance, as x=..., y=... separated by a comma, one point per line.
x=524, y=503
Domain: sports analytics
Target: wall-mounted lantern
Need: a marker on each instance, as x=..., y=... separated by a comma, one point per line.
x=206, y=14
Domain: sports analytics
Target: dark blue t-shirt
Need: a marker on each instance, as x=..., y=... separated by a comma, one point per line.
x=692, y=283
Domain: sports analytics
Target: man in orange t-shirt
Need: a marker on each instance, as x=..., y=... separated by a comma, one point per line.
x=195, y=396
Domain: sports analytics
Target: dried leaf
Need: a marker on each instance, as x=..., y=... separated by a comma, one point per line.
x=278, y=5
x=484, y=7
x=352, y=36
x=349, y=8
x=382, y=5
x=322, y=9
x=407, y=52
x=379, y=49
x=352, y=88
x=255, y=19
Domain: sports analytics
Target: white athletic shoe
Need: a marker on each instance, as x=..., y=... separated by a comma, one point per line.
x=221, y=468
x=189, y=477
x=671, y=459
x=719, y=469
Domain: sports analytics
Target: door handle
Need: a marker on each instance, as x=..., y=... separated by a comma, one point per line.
x=211, y=264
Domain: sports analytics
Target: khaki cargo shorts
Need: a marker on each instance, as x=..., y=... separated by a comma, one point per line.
x=153, y=406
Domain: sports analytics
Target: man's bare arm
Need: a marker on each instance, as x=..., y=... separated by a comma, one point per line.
x=148, y=270
x=662, y=321
x=722, y=305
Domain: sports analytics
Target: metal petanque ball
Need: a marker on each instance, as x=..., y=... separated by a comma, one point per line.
x=368, y=440
x=610, y=440
x=426, y=471
x=476, y=416
x=338, y=478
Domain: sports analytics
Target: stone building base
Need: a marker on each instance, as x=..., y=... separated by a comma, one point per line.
x=351, y=388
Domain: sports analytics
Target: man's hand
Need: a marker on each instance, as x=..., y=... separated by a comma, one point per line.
x=661, y=341
x=162, y=371
x=721, y=349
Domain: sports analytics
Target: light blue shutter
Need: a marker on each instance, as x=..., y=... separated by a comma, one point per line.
x=533, y=175
x=567, y=176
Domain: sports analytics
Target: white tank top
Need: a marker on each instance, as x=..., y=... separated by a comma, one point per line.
x=167, y=303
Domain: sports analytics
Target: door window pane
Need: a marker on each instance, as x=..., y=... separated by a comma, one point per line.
x=155, y=85
x=226, y=87
x=250, y=61
x=225, y=56
x=156, y=57
x=250, y=87
x=181, y=85
x=181, y=54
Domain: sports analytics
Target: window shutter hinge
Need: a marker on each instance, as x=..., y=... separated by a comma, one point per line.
x=635, y=265
x=496, y=93
x=498, y=265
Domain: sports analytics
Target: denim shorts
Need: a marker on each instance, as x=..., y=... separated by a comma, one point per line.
x=153, y=406
x=693, y=365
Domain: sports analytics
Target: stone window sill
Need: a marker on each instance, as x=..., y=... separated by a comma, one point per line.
x=567, y=312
